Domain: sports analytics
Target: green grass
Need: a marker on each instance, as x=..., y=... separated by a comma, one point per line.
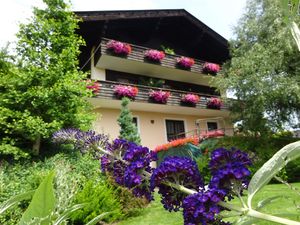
x=155, y=214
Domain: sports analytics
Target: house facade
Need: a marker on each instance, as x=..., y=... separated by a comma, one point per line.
x=182, y=37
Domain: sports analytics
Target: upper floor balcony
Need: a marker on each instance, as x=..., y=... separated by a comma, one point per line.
x=107, y=97
x=137, y=63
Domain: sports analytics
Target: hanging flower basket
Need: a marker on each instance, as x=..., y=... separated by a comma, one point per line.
x=190, y=99
x=211, y=68
x=126, y=91
x=159, y=96
x=118, y=48
x=154, y=55
x=185, y=62
x=94, y=86
x=214, y=103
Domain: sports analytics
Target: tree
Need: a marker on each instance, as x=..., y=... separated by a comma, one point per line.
x=264, y=69
x=43, y=91
x=128, y=129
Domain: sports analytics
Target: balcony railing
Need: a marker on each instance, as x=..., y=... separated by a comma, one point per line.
x=137, y=54
x=107, y=92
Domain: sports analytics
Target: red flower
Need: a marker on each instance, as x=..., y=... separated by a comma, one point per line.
x=185, y=62
x=176, y=143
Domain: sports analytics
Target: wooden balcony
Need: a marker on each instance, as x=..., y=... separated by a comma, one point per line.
x=136, y=63
x=106, y=98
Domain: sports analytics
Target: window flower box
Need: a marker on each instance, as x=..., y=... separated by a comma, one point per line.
x=118, y=48
x=154, y=55
x=94, y=86
x=214, y=103
x=190, y=99
x=159, y=96
x=126, y=91
x=211, y=68
x=185, y=62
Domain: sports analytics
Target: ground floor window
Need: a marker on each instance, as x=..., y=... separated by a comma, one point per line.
x=212, y=126
x=135, y=121
x=175, y=129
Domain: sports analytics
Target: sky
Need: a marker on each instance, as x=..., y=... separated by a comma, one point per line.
x=220, y=15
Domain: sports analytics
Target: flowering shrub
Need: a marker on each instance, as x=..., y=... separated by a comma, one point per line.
x=190, y=99
x=212, y=133
x=185, y=62
x=160, y=96
x=176, y=143
x=154, y=55
x=126, y=91
x=180, y=183
x=211, y=68
x=118, y=48
x=214, y=103
x=93, y=85
x=175, y=169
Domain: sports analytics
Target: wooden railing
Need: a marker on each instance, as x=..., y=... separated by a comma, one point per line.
x=107, y=92
x=138, y=52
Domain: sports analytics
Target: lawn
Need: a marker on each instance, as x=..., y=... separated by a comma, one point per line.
x=155, y=214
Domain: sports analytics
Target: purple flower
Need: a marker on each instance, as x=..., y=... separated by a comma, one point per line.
x=176, y=170
x=229, y=170
x=202, y=208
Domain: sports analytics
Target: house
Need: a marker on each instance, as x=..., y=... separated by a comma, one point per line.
x=143, y=30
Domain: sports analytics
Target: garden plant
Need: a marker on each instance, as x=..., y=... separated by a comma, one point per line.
x=180, y=183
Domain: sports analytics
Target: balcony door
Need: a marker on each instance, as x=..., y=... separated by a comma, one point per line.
x=175, y=129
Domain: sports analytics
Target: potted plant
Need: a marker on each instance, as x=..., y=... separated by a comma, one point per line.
x=214, y=103
x=159, y=96
x=94, y=86
x=190, y=99
x=154, y=55
x=211, y=68
x=185, y=62
x=118, y=48
x=126, y=91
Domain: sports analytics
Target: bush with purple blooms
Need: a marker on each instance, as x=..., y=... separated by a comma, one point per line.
x=175, y=169
x=179, y=181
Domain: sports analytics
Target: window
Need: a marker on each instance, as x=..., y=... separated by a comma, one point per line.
x=212, y=126
x=135, y=121
x=175, y=129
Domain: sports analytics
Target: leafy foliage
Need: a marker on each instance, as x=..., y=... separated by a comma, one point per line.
x=264, y=69
x=43, y=91
x=101, y=198
x=128, y=129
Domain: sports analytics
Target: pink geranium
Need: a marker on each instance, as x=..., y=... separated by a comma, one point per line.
x=154, y=55
x=185, y=62
x=190, y=99
x=160, y=96
x=126, y=91
x=214, y=103
x=118, y=47
x=93, y=85
x=211, y=68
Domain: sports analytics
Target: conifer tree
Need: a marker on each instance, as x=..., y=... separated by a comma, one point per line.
x=128, y=129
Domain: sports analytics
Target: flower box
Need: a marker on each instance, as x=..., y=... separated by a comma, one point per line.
x=154, y=55
x=211, y=68
x=159, y=96
x=190, y=99
x=214, y=103
x=118, y=48
x=94, y=86
x=126, y=91
x=185, y=62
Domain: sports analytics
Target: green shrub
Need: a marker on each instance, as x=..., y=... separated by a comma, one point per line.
x=261, y=149
x=73, y=171
x=100, y=198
